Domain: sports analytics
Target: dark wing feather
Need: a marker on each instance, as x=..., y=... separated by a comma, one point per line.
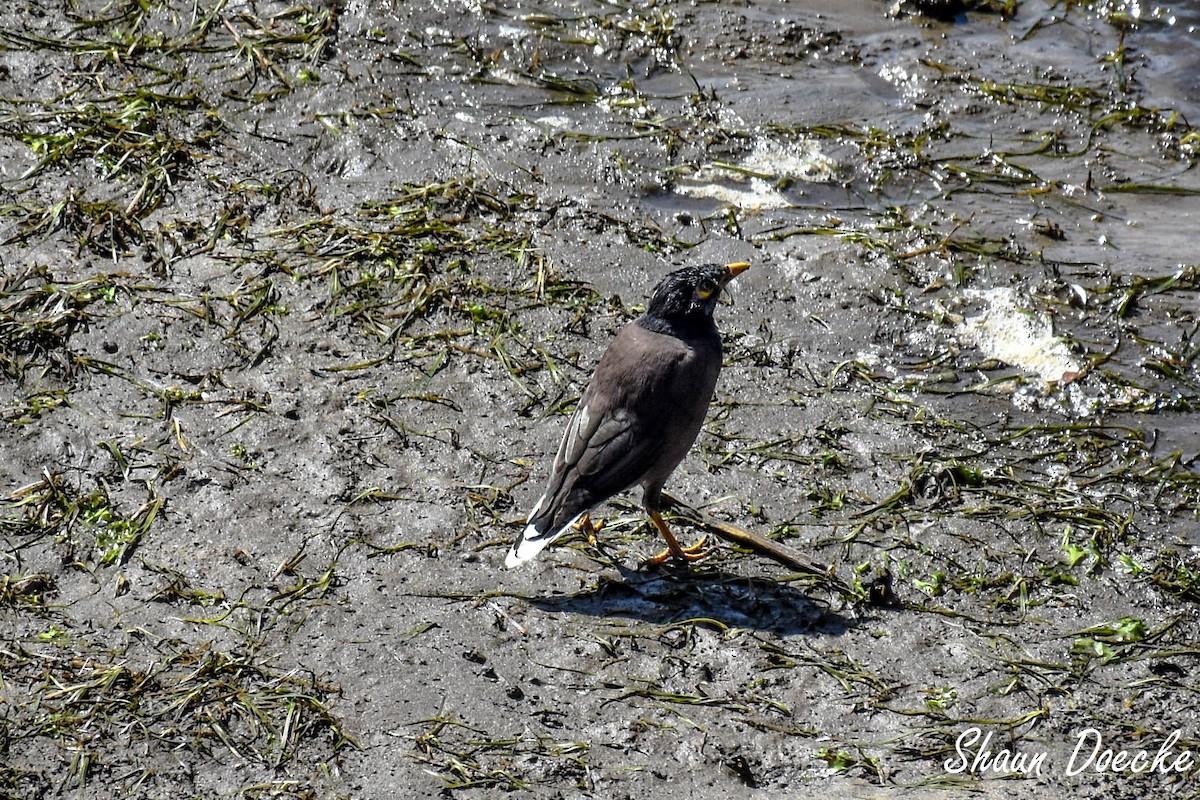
x=621, y=429
x=610, y=443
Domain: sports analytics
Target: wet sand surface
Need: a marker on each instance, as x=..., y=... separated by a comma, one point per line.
x=295, y=299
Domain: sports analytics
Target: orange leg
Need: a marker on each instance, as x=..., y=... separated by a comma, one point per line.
x=589, y=528
x=693, y=553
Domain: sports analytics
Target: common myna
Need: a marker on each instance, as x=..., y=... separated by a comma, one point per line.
x=640, y=413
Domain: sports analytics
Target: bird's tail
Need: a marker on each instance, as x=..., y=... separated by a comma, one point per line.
x=543, y=527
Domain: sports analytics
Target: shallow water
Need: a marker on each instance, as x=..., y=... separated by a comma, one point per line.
x=720, y=124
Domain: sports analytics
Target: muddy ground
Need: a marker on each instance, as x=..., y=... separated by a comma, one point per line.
x=295, y=297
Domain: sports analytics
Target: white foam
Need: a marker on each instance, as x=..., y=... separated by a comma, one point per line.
x=753, y=182
x=1010, y=332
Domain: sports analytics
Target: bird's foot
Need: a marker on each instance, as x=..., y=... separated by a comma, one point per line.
x=674, y=549
x=588, y=528
x=694, y=553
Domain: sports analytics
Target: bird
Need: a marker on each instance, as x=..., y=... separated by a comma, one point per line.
x=640, y=413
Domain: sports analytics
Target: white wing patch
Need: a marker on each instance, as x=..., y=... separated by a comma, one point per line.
x=530, y=543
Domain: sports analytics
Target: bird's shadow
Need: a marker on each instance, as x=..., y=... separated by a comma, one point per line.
x=671, y=594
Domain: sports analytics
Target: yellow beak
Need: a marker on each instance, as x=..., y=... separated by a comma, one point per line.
x=735, y=269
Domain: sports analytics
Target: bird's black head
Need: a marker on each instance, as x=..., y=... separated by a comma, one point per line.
x=686, y=297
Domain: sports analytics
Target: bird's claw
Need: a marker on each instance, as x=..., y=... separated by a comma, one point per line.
x=694, y=553
x=589, y=528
